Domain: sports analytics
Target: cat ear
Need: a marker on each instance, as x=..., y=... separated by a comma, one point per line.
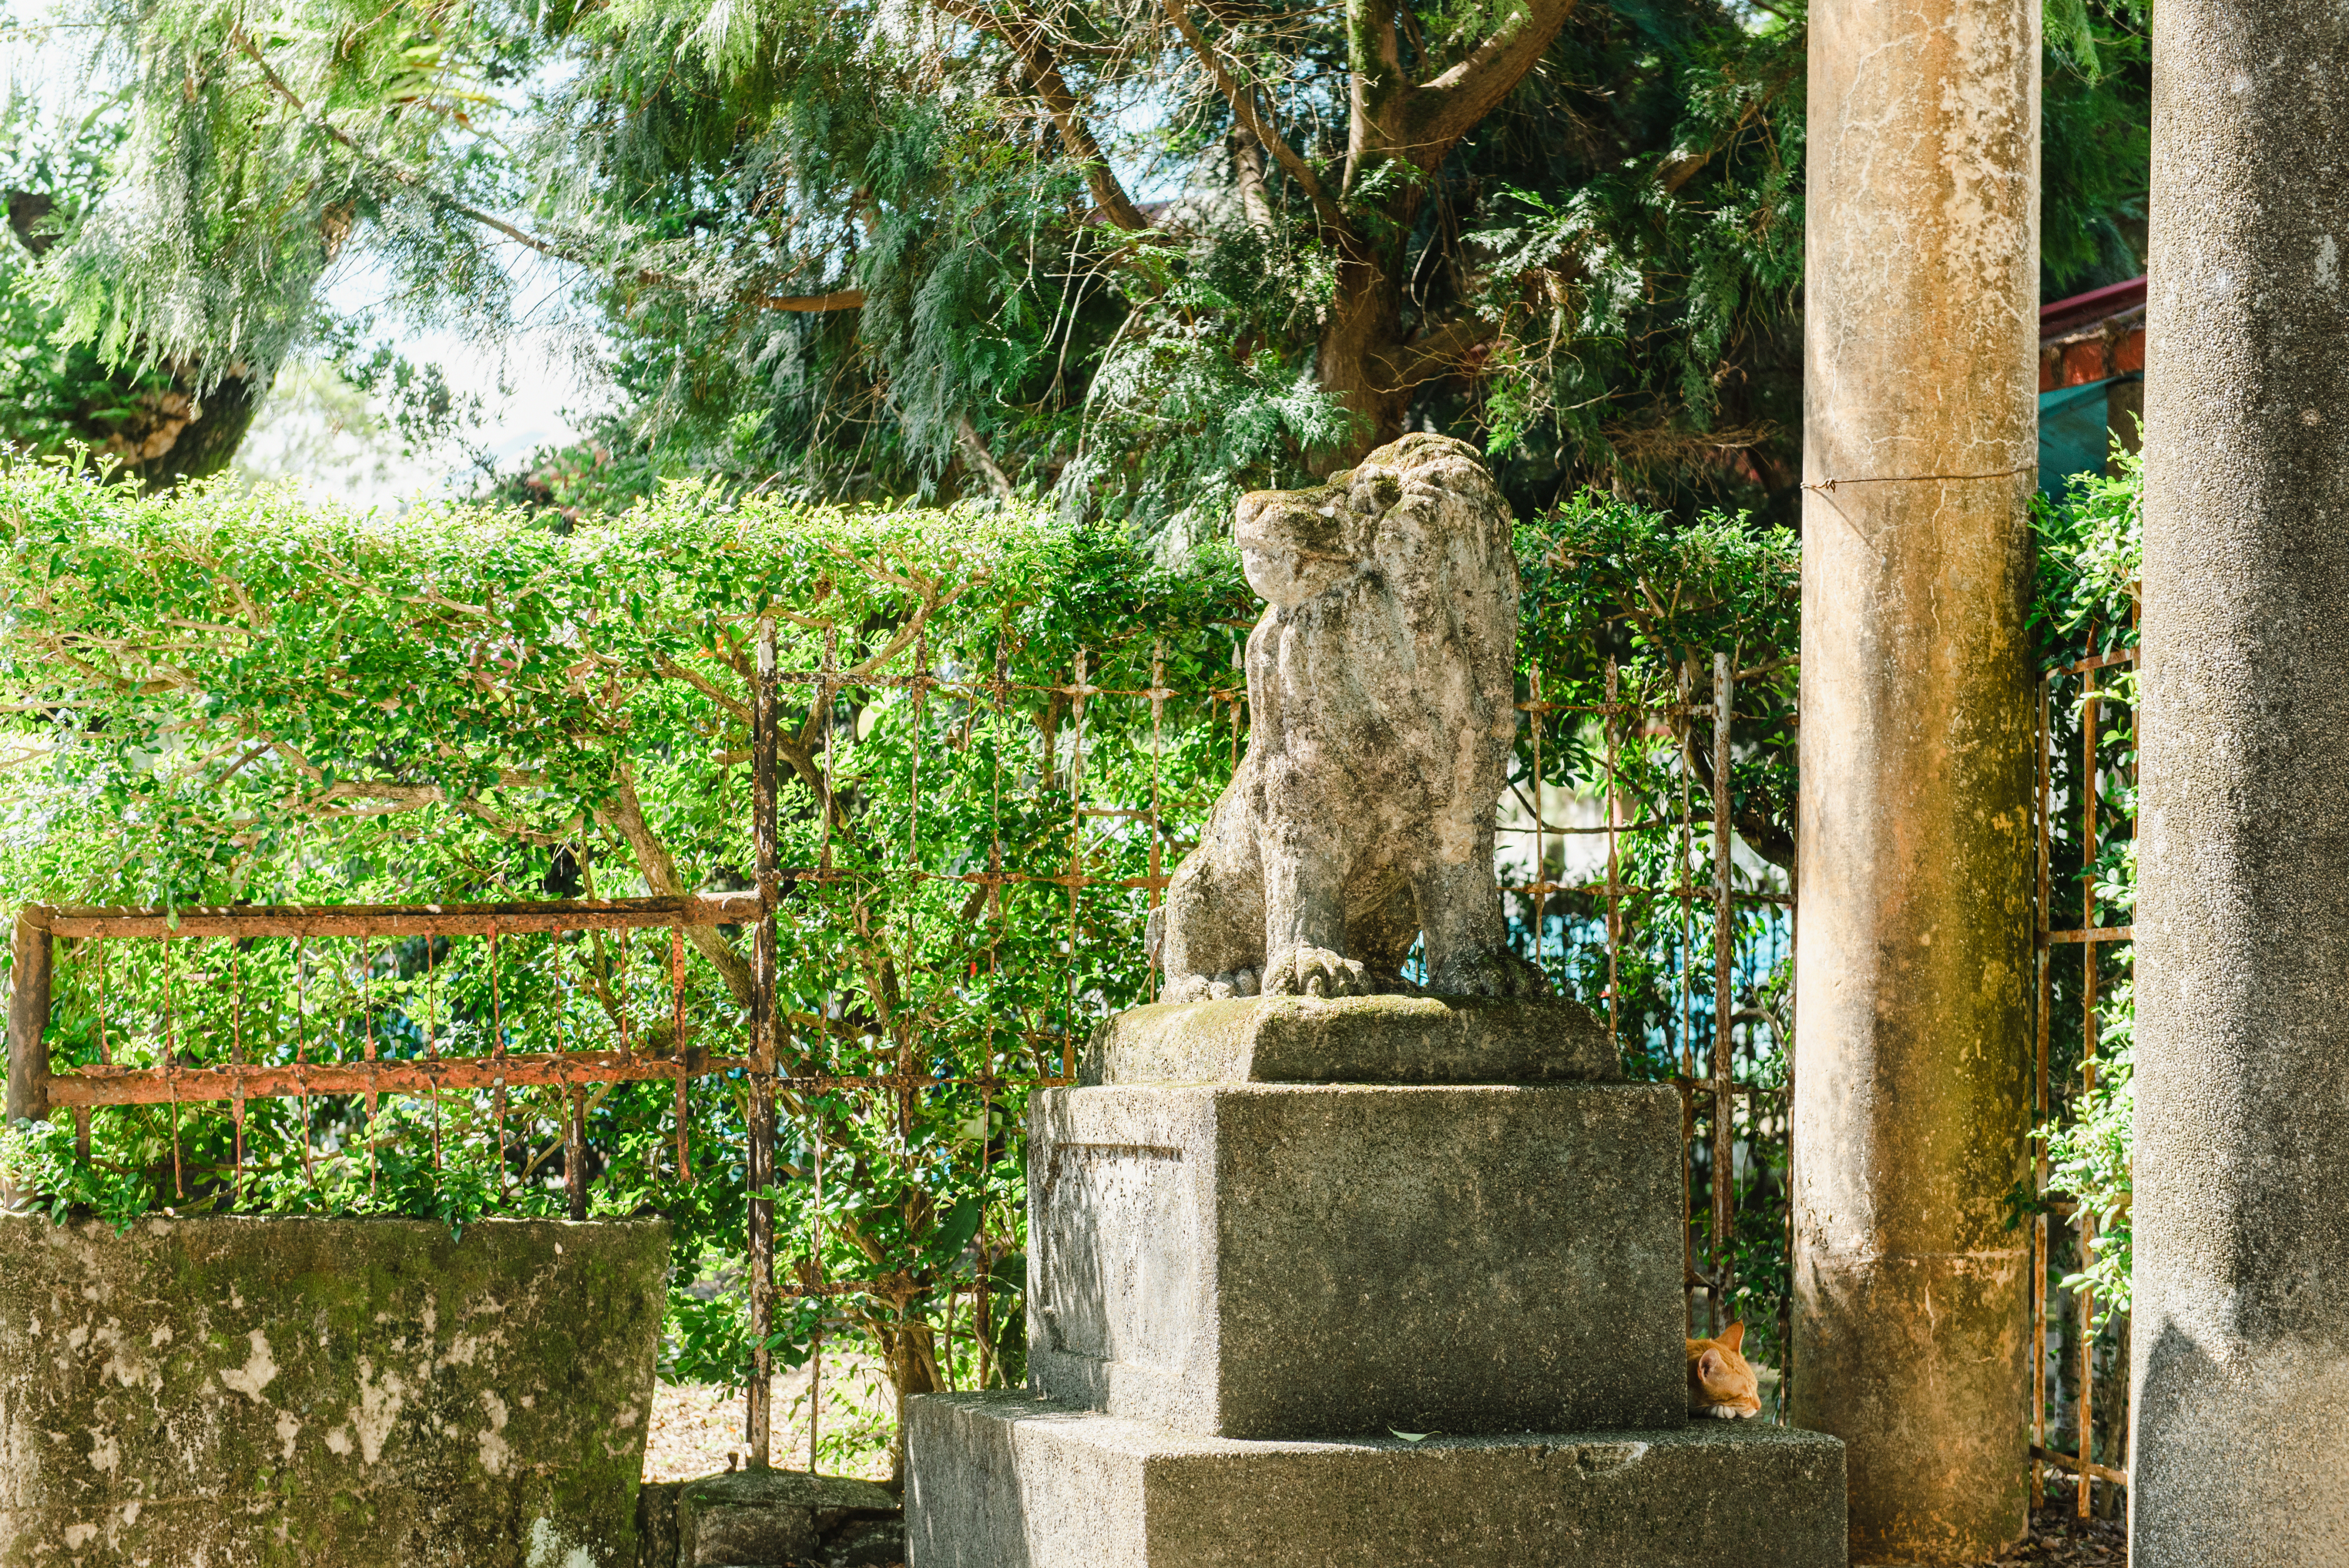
x=1733, y=1335
x=1709, y=1363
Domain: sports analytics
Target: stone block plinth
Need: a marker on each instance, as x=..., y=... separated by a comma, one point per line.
x=1269, y=1238
x=1355, y=1039
x=1288, y=1260
x=1006, y=1480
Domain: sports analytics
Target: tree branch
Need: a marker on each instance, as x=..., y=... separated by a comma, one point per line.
x=1448, y=108
x=1442, y=352
x=625, y=815
x=838, y=299
x=1243, y=101
x=1684, y=163
x=973, y=447
x=1024, y=35
x=1376, y=88
x=1248, y=173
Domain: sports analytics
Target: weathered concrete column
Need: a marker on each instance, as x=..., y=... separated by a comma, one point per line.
x=2242, y=1203
x=1913, y=1033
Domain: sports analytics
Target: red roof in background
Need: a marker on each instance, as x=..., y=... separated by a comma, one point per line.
x=2067, y=315
x=2093, y=336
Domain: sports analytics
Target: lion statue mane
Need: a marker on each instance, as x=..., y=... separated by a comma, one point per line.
x=1381, y=703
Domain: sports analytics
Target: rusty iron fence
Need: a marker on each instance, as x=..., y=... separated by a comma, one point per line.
x=1622, y=880
x=177, y=1077
x=2079, y=819
x=1685, y=949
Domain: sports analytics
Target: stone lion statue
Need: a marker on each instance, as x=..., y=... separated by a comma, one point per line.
x=1382, y=705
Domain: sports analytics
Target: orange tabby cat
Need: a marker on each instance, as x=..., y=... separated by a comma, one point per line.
x=1720, y=1384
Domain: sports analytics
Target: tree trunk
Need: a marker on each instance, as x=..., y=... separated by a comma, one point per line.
x=1361, y=352
x=1912, y=1029
x=912, y=1356
x=175, y=435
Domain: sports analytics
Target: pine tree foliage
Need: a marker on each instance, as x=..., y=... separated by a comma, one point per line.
x=57, y=394
x=1137, y=254
x=896, y=242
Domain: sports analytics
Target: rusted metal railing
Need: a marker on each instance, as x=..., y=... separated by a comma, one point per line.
x=2090, y=938
x=1708, y=1074
x=1048, y=1045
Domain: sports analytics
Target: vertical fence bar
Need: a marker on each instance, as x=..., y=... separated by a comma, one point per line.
x=367, y=1014
x=431, y=1040
x=1786, y=1302
x=574, y=1153
x=236, y=1103
x=920, y=686
x=367, y=1030
x=1076, y=855
x=2082, y=1216
x=301, y=1054
x=1157, y=870
x=1691, y=1281
x=170, y=1076
x=28, y=1053
x=2123, y=1456
x=2040, y=1105
x=816, y=1263
x=1683, y=1005
x=1724, y=930
x=826, y=690
x=1537, y=895
x=574, y=1099
x=761, y=1167
x=29, y=1016
x=1614, y=880
x=498, y=1054
x=676, y=1051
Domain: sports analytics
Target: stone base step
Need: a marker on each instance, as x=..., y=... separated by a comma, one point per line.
x=1009, y=1480
x=769, y=1518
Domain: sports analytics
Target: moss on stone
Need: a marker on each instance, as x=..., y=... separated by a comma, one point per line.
x=251, y=1391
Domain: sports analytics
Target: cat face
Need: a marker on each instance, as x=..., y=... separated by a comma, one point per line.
x=1720, y=1384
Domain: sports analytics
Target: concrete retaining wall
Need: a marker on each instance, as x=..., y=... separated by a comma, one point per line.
x=224, y=1392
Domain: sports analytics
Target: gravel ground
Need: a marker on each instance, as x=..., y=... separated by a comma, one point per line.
x=2058, y=1535
x=696, y=1427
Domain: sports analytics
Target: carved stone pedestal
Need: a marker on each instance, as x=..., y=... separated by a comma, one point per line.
x=1241, y=1291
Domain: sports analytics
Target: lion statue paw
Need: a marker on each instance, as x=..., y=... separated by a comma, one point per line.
x=1222, y=988
x=1315, y=972
x=1491, y=972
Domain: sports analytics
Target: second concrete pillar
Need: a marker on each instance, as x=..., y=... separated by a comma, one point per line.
x=1912, y=1029
x=2241, y=1205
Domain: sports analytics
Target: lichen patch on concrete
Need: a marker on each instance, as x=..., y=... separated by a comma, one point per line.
x=252, y=1377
